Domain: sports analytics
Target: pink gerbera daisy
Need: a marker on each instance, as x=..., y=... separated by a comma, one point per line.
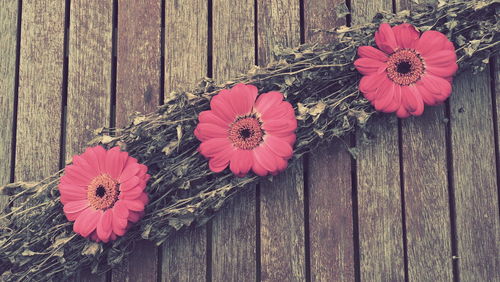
x=246, y=132
x=103, y=192
x=408, y=71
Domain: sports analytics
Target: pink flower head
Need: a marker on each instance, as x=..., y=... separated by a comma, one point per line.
x=246, y=132
x=408, y=71
x=103, y=193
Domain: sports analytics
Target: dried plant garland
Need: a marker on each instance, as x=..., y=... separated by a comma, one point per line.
x=36, y=240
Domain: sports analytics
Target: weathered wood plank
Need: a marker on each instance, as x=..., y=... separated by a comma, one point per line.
x=426, y=199
x=474, y=178
x=138, y=90
x=186, y=59
x=8, y=43
x=282, y=200
x=234, y=228
x=89, y=79
x=40, y=88
x=329, y=179
x=138, y=58
x=379, y=186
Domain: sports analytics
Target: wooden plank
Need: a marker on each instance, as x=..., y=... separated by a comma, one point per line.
x=138, y=90
x=186, y=59
x=234, y=228
x=379, y=186
x=89, y=80
x=138, y=58
x=427, y=209
x=8, y=43
x=282, y=200
x=330, y=229
x=40, y=88
x=474, y=178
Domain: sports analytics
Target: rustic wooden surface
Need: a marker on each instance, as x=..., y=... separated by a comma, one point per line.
x=419, y=202
x=8, y=56
x=186, y=62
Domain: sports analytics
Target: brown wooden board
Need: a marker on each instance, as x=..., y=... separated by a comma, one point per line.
x=138, y=90
x=474, y=178
x=40, y=88
x=426, y=201
x=89, y=80
x=8, y=43
x=186, y=59
x=329, y=177
x=282, y=238
x=379, y=185
x=234, y=228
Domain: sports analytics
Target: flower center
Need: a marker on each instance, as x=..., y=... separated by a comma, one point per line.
x=246, y=132
x=103, y=192
x=405, y=67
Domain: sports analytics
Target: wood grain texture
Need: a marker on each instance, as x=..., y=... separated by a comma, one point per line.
x=282, y=235
x=427, y=210
x=234, y=228
x=186, y=59
x=474, y=178
x=379, y=185
x=40, y=88
x=138, y=90
x=138, y=58
x=184, y=256
x=8, y=43
x=89, y=72
x=330, y=214
x=89, y=80
x=282, y=226
x=329, y=179
x=186, y=43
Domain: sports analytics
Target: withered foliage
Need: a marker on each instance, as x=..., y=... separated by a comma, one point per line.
x=36, y=240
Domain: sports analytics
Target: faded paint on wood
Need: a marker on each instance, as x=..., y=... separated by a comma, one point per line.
x=40, y=88
x=474, y=178
x=186, y=59
x=329, y=178
x=8, y=43
x=234, y=228
x=379, y=185
x=89, y=80
x=281, y=203
x=427, y=210
x=138, y=90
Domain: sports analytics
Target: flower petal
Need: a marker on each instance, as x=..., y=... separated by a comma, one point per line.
x=385, y=39
x=412, y=100
x=206, y=131
x=73, y=176
x=367, y=66
x=242, y=98
x=268, y=101
x=134, y=205
x=283, y=110
x=406, y=35
x=72, y=193
x=437, y=85
x=212, y=147
x=280, y=127
x=130, y=184
x=220, y=161
x=241, y=162
x=131, y=168
x=120, y=210
x=210, y=117
x=372, y=53
x=115, y=161
x=433, y=41
x=265, y=158
x=86, y=223
x=104, y=226
x=370, y=83
x=221, y=106
x=278, y=147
